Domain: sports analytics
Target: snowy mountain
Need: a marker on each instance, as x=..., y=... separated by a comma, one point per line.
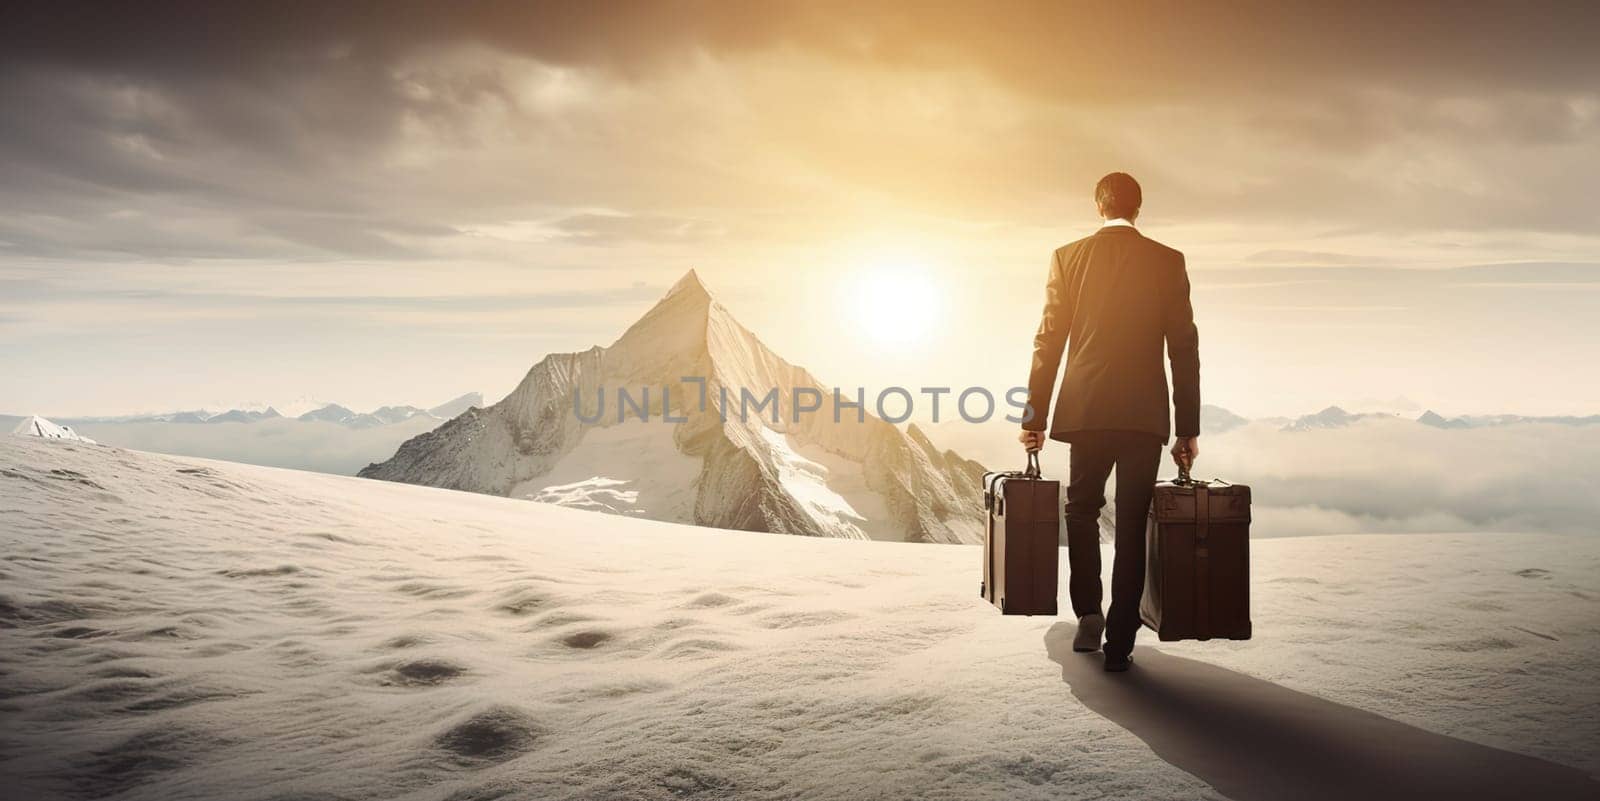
x=390, y=415
x=1216, y=420
x=837, y=472
x=1432, y=418
x=309, y=410
x=181, y=417
x=327, y=413
x=1336, y=417
x=36, y=426
x=1437, y=420
x=242, y=416
x=332, y=413
x=382, y=416
x=1331, y=417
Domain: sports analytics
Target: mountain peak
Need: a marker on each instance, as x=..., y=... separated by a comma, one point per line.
x=1433, y=418
x=690, y=282
x=677, y=324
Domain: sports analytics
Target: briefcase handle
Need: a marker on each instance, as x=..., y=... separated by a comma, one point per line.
x=1032, y=470
x=1184, y=479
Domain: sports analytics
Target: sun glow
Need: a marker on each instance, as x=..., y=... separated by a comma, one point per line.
x=896, y=304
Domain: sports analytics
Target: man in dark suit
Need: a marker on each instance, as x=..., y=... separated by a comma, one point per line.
x=1117, y=297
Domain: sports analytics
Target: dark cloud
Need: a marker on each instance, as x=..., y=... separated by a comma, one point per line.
x=239, y=129
x=1060, y=49
x=113, y=163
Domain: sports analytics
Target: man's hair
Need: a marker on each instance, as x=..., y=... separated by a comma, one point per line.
x=1118, y=195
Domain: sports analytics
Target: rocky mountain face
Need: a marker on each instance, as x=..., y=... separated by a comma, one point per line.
x=688, y=417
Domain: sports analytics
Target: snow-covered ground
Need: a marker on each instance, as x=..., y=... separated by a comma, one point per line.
x=174, y=628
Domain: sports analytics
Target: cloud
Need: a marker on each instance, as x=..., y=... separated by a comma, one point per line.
x=384, y=130
x=1529, y=273
x=1040, y=47
x=612, y=229
x=1377, y=476
x=1396, y=475
x=42, y=307
x=1303, y=257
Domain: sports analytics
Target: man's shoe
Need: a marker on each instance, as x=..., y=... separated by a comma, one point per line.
x=1118, y=664
x=1090, y=627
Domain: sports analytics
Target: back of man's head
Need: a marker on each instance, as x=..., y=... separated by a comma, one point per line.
x=1118, y=196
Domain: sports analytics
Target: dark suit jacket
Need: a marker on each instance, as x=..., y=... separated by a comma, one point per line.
x=1116, y=296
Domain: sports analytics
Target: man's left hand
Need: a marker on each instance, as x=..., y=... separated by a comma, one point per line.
x=1031, y=440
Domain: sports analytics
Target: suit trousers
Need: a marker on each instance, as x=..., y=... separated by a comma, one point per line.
x=1136, y=456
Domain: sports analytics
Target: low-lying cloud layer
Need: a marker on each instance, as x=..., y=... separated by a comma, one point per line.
x=1383, y=475
x=1399, y=476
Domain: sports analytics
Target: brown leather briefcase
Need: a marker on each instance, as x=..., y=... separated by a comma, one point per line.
x=1020, y=551
x=1197, y=566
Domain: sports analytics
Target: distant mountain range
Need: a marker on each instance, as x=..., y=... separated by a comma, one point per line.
x=1487, y=421
x=1332, y=417
x=242, y=416
x=389, y=415
x=331, y=413
x=1216, y=420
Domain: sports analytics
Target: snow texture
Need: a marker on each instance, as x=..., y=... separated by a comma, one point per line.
x=181, y=629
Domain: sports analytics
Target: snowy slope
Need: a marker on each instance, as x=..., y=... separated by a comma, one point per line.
x=179, y=629
x=36, y=426
x=854, y=478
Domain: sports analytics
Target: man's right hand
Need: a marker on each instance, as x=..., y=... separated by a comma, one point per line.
x=1184, y=451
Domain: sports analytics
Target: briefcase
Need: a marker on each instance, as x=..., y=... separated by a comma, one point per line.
x=1197, y=561
x=1020, y=549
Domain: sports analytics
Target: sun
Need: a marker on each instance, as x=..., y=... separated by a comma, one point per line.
x=897, y=305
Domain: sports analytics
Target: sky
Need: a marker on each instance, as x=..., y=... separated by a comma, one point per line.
x=206, y=205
